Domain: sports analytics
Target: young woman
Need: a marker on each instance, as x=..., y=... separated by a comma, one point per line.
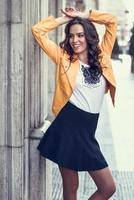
x=83, y=76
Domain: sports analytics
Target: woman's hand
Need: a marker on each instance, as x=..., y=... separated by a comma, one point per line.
x=73, y=12
x=70, y=13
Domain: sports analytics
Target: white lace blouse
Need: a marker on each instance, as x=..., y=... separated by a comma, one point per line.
x=88, y=95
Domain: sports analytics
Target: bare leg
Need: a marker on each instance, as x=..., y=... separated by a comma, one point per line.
x=104, y=182
x=70, y=181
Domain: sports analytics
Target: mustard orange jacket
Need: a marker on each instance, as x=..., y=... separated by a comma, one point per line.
x=65, y=74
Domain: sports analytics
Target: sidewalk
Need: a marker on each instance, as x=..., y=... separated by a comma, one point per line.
x=115, y=134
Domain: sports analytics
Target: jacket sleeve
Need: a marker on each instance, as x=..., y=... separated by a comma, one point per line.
x=110, y=23
x=40, y=32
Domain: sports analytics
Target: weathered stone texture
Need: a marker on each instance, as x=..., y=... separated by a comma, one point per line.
x=3, y=82
x=3, y=174
x=16, y=11
x=16, y=86
x=15, y=173
x=37, y=173
x=3, y=12
x=23, y=103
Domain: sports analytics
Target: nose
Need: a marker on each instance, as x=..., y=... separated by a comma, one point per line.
x=75, y=39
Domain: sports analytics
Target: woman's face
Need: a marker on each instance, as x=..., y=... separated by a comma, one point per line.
x=77, y=39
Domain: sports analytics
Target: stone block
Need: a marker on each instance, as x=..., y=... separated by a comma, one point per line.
x=40, y=174
x=50, y=113
x=16, y=85
x=3, y=12
x=3, y=174
x=40, y=169
x=3, y=82
x=11, y=173
x=43, y=87
x=16, y=10
x=15, y=173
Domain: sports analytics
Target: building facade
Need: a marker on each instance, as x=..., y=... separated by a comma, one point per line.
x=26, y=91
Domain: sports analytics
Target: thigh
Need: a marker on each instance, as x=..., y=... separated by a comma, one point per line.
x=69, y=176
x=103, y=178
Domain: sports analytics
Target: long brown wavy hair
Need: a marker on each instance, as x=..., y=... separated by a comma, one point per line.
x=92, y=40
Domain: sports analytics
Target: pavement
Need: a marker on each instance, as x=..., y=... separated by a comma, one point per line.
x=115, y=134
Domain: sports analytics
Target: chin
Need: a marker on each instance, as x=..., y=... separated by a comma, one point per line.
x=78, y=52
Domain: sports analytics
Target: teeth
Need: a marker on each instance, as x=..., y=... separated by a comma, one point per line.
x=76, y=45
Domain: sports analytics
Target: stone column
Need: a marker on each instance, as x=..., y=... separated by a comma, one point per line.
x=56, y=36
x=38, y=173
x=23, y=103
x=12, y=100
x=3, y=99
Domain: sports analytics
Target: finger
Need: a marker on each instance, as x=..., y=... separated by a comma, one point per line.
x=74, y=9
x=63, y=11
x=77, y=9
x=71, y=9
x=66, y=13
x=67, y=9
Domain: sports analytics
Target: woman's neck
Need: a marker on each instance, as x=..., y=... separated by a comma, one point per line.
x=83, y=58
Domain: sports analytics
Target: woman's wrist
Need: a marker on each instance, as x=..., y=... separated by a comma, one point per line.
x=85, y=15
x=63, y=19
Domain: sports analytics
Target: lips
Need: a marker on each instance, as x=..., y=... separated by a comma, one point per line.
x=76, y=46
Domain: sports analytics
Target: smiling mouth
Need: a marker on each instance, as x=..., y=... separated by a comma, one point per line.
x=76, y=46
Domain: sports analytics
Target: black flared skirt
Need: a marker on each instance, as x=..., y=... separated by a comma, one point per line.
x=70, y=140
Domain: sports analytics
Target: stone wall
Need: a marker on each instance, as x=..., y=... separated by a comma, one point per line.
x=12, y=100
x=23, y=103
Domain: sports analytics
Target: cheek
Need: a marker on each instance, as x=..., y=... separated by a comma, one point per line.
x=70, y=41
x=85, y=43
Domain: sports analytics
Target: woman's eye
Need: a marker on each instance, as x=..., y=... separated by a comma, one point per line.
x=78, y=35
x=81, y=35
x=70, y=36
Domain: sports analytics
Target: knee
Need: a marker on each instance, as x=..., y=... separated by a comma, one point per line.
x=109, y=190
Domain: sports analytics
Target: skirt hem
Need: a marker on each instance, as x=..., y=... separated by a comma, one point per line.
x=73, y=168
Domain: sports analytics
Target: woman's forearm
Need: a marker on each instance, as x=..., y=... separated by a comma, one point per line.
x=65, y=19
x=101, y=17
x=62, y=20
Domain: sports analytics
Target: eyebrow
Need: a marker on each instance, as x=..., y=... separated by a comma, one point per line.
x=76, y=33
